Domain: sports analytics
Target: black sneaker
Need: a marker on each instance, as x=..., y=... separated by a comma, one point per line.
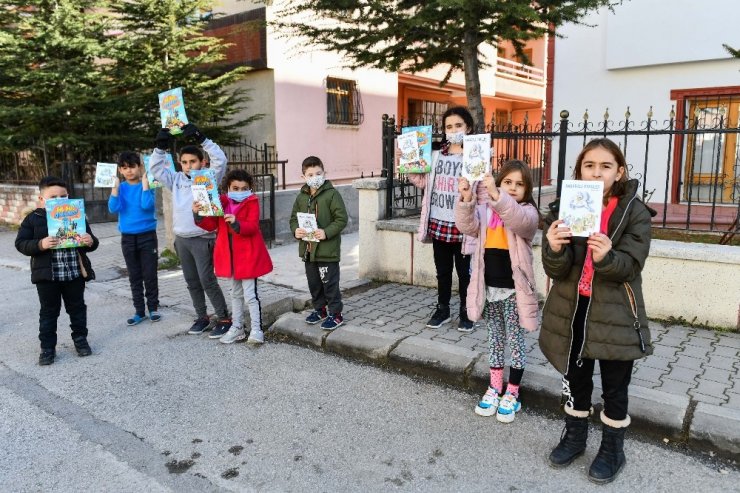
x=440, y=316
x=221, y=328
x=82, y=347
x=465, y=324
x=199, y=326
x=47, y=357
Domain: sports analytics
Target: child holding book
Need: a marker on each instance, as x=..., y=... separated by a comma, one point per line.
x=437, y=224
x=134, y=202
x=240, y=253
x=193, y=244
x=319, y=197
x=595, y=309
x=59, y=274
x=503, y=216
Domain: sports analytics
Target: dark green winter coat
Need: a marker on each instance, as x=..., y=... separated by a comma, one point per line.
x=616, y=323
x=331, y=216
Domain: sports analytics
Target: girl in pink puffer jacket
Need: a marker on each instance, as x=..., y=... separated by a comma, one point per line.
x=504, y=218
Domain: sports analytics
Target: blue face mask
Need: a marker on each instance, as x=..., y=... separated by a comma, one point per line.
x=239, y=196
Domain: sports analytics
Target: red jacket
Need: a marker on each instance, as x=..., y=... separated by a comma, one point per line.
x=240, y=251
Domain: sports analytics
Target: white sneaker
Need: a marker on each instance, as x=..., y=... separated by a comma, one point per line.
x=256, y=336
x=508, y=408
x=488, y=405
x=234, y=334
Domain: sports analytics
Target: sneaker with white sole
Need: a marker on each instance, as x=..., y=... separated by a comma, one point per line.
x=507, y=408
x=488, y=405
x=256, y=336
x=234, y=334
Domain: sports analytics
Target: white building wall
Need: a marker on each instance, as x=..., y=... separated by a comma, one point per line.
x=584, y=79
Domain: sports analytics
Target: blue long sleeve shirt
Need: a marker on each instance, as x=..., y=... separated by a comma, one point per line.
x=135, y=209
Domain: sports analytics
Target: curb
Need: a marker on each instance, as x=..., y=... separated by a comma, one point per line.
x=653, y=412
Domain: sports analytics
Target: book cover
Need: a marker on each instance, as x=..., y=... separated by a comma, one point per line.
x=172, y=110
x=65, y=219
x=204, y=180
x=580, y=206
x=476, y=156
x=308, y=222
x=105, y=175
x=153, y=183
x=424, y=140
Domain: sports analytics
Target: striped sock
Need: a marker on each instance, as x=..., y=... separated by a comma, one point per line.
x=497, y=379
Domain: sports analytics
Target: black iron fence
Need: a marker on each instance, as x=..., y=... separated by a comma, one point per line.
x=688, y=167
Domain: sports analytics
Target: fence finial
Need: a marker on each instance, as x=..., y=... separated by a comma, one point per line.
x=650, y=113
x=627, y=113
x=672, y=114
x=585, y=115
x=564, y=114
x=606, y=114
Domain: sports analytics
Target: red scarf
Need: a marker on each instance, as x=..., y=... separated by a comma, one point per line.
x=587, y=275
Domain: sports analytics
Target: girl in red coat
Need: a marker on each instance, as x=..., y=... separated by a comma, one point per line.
x=240, y=253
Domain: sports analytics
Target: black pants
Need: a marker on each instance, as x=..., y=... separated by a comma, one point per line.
x=51, y=294
x=140, y=253
x=615, y=375
x=445, y=256
x=323, y=282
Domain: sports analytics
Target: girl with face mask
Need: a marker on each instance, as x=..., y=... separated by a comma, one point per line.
x=240, y=253
x=437, y=225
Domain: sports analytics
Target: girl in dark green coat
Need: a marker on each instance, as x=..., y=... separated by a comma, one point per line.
x=595, y=309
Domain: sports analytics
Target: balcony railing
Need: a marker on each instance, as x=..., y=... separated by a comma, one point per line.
x=519, y=71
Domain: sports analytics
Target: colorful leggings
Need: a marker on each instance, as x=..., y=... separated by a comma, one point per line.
x=502, y=320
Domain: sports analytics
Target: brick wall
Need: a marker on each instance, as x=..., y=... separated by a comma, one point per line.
x=16, y=201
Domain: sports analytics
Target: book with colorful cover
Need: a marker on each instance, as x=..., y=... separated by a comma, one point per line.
x=307, y=221
x=205, y=192
x=580, y=206
x=65, y=219
x=423, y=164
x=172, y=110
x=105, y=175
x=476, y=156
x=153, y=183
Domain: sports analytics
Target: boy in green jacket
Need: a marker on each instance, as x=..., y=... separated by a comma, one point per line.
x=321, y=257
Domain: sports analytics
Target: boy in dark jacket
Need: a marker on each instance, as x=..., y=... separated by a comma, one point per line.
x=319, y=197
x=58, y=274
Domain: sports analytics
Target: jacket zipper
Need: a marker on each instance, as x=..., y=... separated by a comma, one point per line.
x=525, y=278
x=633, y=306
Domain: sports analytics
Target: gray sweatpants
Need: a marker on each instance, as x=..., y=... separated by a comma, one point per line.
x=245, y=290
x=196, y=258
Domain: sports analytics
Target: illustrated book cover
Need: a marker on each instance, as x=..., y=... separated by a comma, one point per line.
x=105, y=175
x=172, y=110
x=580, y=206
x=476, y=156
x=422, y=163
x=308, y=222
x=153, y=183
x=65, y=219
x=205, y=193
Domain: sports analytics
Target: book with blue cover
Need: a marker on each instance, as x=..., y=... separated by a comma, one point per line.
x=153, y=183
x=65, y=219
x=172, y=110
x=422, y=163
x=205, y=192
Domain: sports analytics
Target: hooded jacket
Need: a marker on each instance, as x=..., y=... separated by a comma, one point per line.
x=616, y=326
x=331, y=216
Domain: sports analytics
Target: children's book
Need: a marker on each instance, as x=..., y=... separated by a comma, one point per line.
x=153, y=183
x=205, y=192
x=308, y=222
x=476, y=156
x=580, y=206
x=105, y=175
x=65, y=219
x=424, y=162
x=172, y=110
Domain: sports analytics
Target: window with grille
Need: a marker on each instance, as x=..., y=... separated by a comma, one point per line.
x=422, y=112
x=343, y=102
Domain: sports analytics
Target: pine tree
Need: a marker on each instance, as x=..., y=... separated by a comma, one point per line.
x=417, y=35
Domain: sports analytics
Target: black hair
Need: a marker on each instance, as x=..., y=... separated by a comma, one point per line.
x=129, y=157
x=463, y=113
x=310, y=162
x=52, y=181
x=191, y=149
x=237, y=175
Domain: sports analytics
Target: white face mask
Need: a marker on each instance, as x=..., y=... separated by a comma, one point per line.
x=315, y=181
x=455, y=138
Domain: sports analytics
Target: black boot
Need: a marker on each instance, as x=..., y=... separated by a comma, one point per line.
x=572, y=442
x=47, y=357
x=82, y=347
x=610, y=460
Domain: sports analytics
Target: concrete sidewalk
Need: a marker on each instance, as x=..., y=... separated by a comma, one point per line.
x=688, y=391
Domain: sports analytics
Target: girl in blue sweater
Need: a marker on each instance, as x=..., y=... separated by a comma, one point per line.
x=133, y=201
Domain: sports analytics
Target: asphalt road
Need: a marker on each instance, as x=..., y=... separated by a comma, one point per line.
x=154, y=409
